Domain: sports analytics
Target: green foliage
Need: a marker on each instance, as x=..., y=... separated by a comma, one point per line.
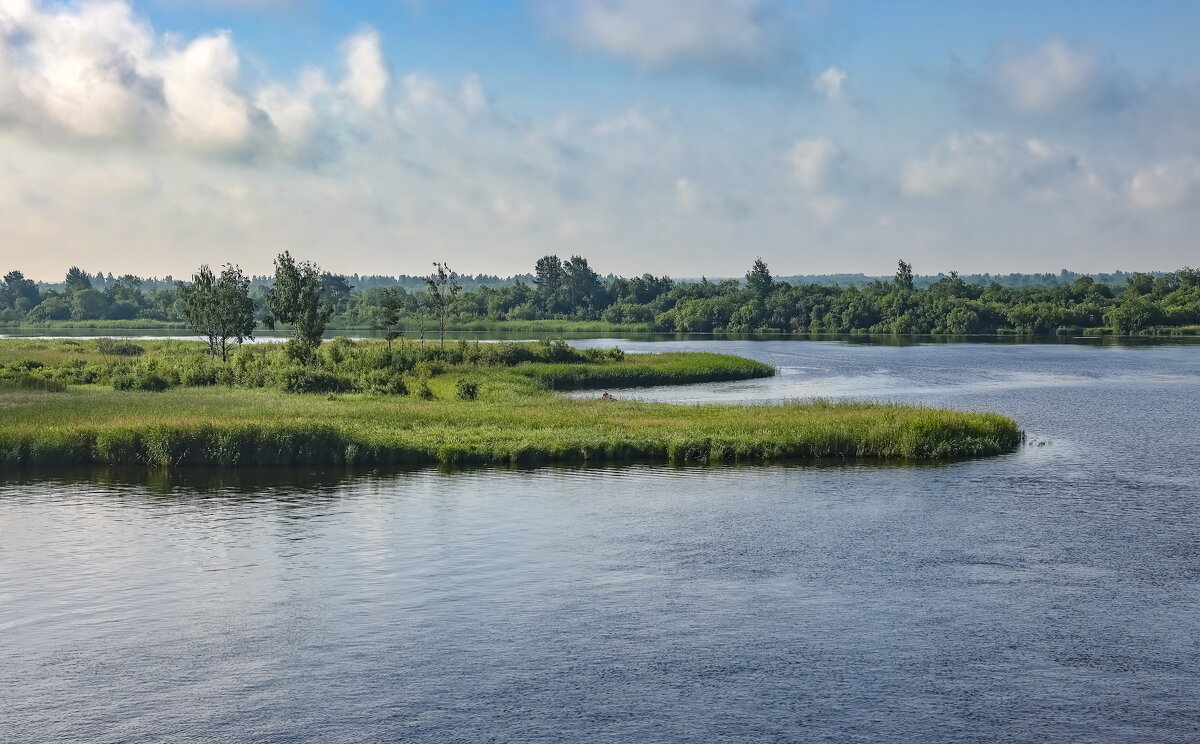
x=759, y=279
x=472, y=403
x=76, y=280
x=443, y=287
x=305, y=380
x=146, y=379
x=297, y=297
x=88, y=304
x=219, y=309
x=384, y=382
x=466, y=389
x=571, y=296
x=424, y=391
x=117, y=347
x=14, y=379
x=389, y=315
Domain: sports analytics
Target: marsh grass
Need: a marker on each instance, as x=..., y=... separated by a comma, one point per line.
x=510, y=416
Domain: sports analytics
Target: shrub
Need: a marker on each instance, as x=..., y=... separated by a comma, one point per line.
x=113, y=347
x=78, y=372
x=424, y=392
x=198, y=374
x=429, y=368
x=26, y=381
x=151, y=381
x=384, y=382
x=148, y=379
x=304, y=380
x=467, y=389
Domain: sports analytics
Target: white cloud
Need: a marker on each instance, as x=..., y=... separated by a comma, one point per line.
x=716, y=36
x=829, y=83
x=367, y=75
x=1055, y=77
x=199, y=85
x=685, y=194
x=987, y=164
x=98, y=72
x=117, y=140
x=632, y=121
x=1166, y=185
x=811, y=161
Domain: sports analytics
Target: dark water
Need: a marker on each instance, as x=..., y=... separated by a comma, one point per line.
x=1049, y=595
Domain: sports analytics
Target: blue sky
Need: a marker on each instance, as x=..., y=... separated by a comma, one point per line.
x=676, y=136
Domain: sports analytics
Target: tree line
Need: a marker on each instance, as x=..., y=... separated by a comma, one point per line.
x=308, y=300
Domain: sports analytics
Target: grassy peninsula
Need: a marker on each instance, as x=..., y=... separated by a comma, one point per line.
x=168, y=403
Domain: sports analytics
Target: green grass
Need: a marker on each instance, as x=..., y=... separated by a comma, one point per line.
x=641, y=370
x=516, y=418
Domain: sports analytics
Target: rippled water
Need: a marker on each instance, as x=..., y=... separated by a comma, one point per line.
x=1049, y=595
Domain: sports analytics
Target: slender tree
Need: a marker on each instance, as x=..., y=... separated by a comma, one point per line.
x=904, y=275
x=443, y=287
x=297, y=298
x=389, y=316
x=219, y=309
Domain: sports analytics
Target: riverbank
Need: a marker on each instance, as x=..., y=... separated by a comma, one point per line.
x=445, y=413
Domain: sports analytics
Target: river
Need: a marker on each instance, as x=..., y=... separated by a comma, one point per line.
x=1048, y=595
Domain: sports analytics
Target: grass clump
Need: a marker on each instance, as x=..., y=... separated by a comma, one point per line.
x=469, y=404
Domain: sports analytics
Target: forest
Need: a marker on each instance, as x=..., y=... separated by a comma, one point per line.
x=571, y=292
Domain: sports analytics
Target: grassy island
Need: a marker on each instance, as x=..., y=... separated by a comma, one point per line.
x=167, y=403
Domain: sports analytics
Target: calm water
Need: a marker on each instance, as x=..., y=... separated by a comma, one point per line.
x=1049, y=595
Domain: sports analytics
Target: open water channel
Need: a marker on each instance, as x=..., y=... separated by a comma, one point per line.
x=1048, y=595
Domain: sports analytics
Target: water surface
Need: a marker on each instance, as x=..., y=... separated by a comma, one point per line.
x=1048, y=595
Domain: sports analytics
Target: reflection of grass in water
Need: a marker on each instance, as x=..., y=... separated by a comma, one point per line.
x=516, y=419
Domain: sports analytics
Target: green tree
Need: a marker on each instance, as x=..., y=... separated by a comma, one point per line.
x=581, y=285
x=443, y=287
x=548, y=278
x=1134, y=314
x=1139, y=284
x=336, y=290
x=88, y=304
x=219, y=308
x=759, y=279
x=20, y=293
x=388, y=319
x=77, y=280
x=297, y=298
x=904, y=275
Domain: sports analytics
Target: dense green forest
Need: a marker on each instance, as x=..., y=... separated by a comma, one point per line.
x=571, y=291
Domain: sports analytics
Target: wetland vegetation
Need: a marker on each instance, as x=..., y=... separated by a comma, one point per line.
x=171, y=403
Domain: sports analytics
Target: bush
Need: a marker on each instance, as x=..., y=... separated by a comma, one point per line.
x=148, y=380
x=198, y=374
x=304, y=380
x=424, y=392
x=467, y=389
x=384, y=382
x=151, y=381
x=113, y=347
x=26, y=381
x=78, y=372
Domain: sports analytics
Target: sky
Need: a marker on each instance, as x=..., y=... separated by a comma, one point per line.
x=679, y=137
